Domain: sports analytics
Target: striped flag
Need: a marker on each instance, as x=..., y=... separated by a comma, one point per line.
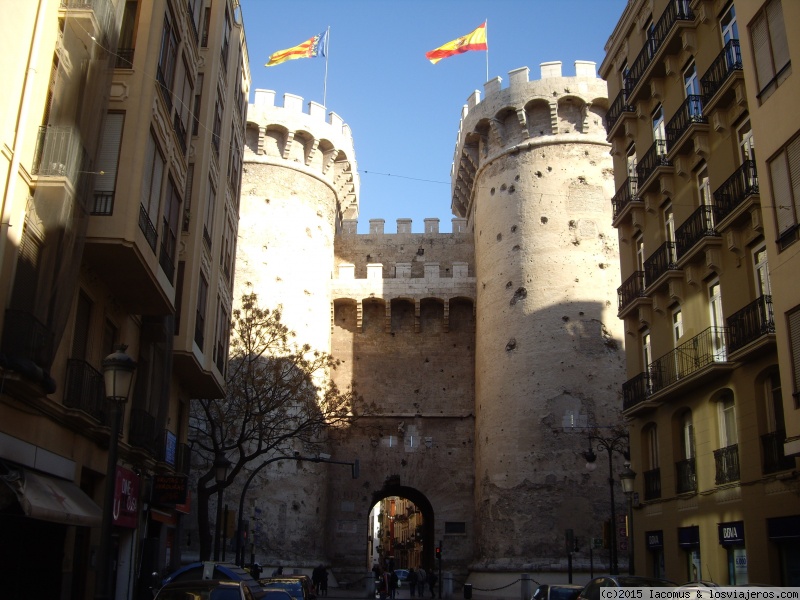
x=308, y=49
x=475, y=40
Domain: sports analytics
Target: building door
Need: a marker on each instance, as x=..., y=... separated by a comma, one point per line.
x=719, y=351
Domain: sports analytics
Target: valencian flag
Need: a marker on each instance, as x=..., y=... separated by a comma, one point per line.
x=472, y=41
x=308, y=49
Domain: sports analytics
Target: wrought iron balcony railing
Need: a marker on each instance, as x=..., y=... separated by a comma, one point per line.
x=627, y=193
x=689, y=113
x=727, y=62
x=147, y=227
x=727, y=464
x=652, y=484
x=636, y=390
x=103, y=204
x=693, y=355
x=58, y=153
x=632, y=288
x=699, y=225
x=774, y=458
x=24, y=336
x=166, y=256
x=750, y=323
x=736, y=189
x=656, y=156
x=617, y=108
x=85, y=389
x=686, y=476
x=659, y=262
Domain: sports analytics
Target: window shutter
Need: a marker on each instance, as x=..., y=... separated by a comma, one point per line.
x=794, y=340
x=793, y=155
x=777, y=34
x=108, y=155
x=781, y=193
x=759, y=34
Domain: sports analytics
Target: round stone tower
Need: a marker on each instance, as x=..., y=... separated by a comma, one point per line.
x=299, y=181
x=533, y=176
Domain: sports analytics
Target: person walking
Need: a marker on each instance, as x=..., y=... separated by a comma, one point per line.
x=422, y=579
x=412, y=581
x=393, y=581
x=432, y=579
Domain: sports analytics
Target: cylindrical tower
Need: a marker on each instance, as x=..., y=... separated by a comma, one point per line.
x=299, y=181
x=533, y=176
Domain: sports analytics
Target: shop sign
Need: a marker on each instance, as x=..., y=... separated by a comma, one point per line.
x=169, y=489
x=126, y=499
x=732, y=533
x=655, y=539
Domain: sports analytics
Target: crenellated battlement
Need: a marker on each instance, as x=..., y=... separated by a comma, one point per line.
x=404, y=227
x=311, y=141
x=552, y=110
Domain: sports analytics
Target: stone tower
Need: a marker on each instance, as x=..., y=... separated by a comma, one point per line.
x=532, y=174
x=299, y=181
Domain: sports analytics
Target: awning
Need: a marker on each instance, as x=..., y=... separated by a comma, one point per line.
x=50, y=499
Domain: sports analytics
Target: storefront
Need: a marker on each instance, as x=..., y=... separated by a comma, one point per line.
x=689, y=543
x=731, y=537
x=655, y=553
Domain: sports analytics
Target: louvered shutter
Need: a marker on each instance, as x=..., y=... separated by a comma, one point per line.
x=794, y=340
x=759, y=33
x=108, y=155
x=777, y=34
x=793, y=155
x=781, y=193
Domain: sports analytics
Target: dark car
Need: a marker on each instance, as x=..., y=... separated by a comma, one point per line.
x=208, y=589
x=591, y=591
x=299, y=587
x=209, y=571
x=557, y=591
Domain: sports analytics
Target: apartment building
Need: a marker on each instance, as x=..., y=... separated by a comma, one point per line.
x=706, y=296
x=122, y=136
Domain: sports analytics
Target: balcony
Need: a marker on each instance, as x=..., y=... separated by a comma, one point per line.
x=751, y=324
x=85, y=389
x=652, y=163
x=725, y=73
x=698, y=227
x=627, y=193
x=697, y=360
x=730, y=199
x=142, y=431
x=147, y=227
x=727, y=464
x=774, y=459
x=619, y=110
x=663, y=41
x=165, y=256
x=95, y=18
x=686, y=476
x=26, y=338
x=103, y=205
x=652, y=484
x=687, y=122
x=631, y=290
x=659, y=264
x=59, y=153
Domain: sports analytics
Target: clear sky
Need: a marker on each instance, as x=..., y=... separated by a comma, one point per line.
x=404, y=111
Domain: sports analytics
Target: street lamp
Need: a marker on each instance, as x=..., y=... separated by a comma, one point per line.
x=627, y=477
x=221, y=465
x=118, y=370
x=619, y=444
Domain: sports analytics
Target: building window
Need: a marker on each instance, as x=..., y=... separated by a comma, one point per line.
x=208, y=222
x=222, y=334
x=105, y=181
x=728, y=434
x=677, y=326
x=198, y=96
x=200, y=314
x=784, y=173
x=717, y=321
x=770, y=48
x=793, y=320
x=168, y=55
x=169, y=234
x=728, y=26
x=226, y=40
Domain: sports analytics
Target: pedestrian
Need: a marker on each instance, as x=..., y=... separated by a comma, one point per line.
x=412, y=581
x=316, y=578
x=422, y=580
x=277, y=572
x=432, y=579
x=393, y=581
x=323, y=582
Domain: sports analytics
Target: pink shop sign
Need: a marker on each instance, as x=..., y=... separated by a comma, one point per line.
x=126, y=499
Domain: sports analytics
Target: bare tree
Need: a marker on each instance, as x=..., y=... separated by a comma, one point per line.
x=279, y=399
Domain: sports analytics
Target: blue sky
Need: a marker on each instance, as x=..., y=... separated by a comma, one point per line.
x=403, y=110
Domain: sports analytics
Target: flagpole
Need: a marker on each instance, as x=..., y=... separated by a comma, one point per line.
x=486, y=32
x=325, y=83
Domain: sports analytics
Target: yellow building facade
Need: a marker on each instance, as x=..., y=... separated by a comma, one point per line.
x=708, y=400
x=122, y=131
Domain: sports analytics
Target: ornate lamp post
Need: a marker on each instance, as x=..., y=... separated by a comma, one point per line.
x=627, y=478
x=221, y=465
x=619, y=444
x=118, y=370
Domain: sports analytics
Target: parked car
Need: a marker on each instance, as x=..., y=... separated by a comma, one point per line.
x=557, y=591
x=300, y=587
x=591, y=591
x=211, y=571
x=209, y=589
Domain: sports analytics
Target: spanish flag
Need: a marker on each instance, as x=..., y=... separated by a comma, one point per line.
x=472, y=41
x=308, y=49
